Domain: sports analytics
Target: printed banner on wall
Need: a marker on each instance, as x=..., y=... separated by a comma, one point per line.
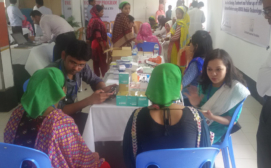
x=111, y=9
x=67, y=8
x=245, y=20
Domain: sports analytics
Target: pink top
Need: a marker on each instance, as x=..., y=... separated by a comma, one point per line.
x=160, y=12
x=145, y=34
x=28, y=25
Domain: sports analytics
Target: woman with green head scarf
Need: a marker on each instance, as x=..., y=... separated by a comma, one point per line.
x=164, y=125
x=122, y=31
x=153, y=23
x=44, y=89
x=38, y=124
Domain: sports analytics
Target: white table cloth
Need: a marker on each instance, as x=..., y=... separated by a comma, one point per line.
x=19, y=55
x=39, y=57
x=106, y=122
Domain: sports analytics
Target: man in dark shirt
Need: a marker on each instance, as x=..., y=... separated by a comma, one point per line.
x=168, y=13
x=73, y=65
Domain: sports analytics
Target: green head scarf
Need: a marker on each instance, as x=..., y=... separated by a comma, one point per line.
x=165, y=84
x=45, y=88
x=122, y=4
x=151, y=18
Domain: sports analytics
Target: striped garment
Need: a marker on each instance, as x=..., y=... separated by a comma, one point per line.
x=58, y=137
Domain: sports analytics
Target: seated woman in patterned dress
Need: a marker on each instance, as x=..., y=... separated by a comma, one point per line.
x=164, y=125
x=38, y=124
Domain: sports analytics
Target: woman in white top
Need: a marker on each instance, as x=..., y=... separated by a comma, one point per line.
x=161, y=32
x=165, y=41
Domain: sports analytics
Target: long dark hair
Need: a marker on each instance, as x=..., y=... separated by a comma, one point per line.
x=99, y=8
x=231, y=74
x=163, y=22
x=203, y=40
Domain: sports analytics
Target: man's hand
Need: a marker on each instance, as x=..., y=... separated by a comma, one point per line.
x=108, y=88
x=99, y=97
x=32, y=38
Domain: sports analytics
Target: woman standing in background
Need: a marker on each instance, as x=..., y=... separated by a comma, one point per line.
x=122, y=31
x=96, y=33
x=160, y=12
x=165, y=41
x=179, y=34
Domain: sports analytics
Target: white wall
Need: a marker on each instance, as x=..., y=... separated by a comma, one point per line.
x=247, y=57
x=143, y=9
x=76, y=11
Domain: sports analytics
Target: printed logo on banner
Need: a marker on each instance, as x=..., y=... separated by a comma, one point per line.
x=111, y=9
x=67, y=8
x=245, y=20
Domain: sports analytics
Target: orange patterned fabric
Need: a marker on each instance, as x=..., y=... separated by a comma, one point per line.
x=59, y=138
x=122, y=32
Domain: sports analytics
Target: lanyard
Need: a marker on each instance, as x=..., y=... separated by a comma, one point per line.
x=210, y=88
x=76, y=86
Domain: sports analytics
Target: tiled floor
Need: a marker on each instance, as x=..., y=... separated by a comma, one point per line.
x=244, y=141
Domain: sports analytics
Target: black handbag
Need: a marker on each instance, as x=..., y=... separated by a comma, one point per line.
x=236, y=127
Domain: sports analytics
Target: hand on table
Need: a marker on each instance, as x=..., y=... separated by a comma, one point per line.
x=99, y=97
x=193, y=96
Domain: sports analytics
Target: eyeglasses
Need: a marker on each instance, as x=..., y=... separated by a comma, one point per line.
x=77, y=65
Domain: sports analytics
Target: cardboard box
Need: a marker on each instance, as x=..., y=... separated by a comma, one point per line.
x=143, y=101
x=132, y=100
x=117, y=53
x=124, y=78
x=121, y=100
x=123, y=88
x=148, y=54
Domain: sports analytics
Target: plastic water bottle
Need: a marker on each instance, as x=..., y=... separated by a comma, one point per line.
x=134, y=51
x=134, y=55
x=156, y=50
